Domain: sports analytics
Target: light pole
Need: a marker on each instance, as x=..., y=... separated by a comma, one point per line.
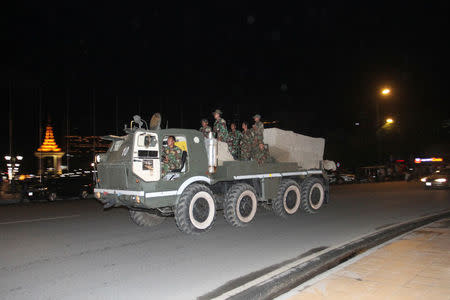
x=384, y=92
x=12, y=165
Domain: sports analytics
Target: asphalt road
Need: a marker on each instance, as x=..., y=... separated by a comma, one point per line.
x=74, y=250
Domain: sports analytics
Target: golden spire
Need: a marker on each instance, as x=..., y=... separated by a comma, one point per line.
x=49, y=144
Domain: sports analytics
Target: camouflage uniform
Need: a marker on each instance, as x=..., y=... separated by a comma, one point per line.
x=234, y=141
x=246, y=145
x=205, y=130
x=173, y=156
x=259, y=132
x=220, y=129
x=261, y=156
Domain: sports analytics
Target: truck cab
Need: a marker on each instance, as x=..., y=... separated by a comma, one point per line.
x=129, y=173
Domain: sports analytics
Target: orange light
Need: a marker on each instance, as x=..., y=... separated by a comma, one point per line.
x=49, y=144
x=385, y=91
x=436, y=159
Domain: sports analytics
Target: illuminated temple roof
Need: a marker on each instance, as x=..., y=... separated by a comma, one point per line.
x=49, y=144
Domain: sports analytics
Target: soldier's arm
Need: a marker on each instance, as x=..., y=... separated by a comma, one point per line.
x=177, y=161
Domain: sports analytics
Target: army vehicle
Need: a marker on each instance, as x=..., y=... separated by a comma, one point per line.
x=129, y=174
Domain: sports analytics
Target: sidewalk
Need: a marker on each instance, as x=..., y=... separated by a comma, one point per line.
x=413, y=266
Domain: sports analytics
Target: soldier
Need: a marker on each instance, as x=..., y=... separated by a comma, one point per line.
x=261, y=155
x=205, y=129
x=220, y=126
x=246, y=142
x=258, y=129
x=234, y=140
x=170, y=157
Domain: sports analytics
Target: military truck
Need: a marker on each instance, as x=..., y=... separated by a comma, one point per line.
x=209, y=180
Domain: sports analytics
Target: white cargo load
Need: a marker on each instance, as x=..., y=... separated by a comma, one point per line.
x=223, y=153
x=288, y=146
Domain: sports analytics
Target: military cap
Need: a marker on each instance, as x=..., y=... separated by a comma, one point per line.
x=217, y=111
x=257, y=116
x=205, y=120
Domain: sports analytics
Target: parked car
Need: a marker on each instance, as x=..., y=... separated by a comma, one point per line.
x=341, y=177
x=67, y=185
x=439, y=179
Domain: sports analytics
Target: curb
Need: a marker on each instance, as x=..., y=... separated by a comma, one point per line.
x=287, y=277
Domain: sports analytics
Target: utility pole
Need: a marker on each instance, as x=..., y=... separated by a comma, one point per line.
x=40, y=132
x=10, y=119
x=93, y=123
x=67, y=128
x=117, y=115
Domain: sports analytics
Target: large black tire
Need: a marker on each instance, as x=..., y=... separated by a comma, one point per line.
x=240, y=205
x=143, y=218
x=313, y=195
x=288, y=199
x=195, y=210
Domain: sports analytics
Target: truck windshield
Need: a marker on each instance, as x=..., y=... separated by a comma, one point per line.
x=116, y=145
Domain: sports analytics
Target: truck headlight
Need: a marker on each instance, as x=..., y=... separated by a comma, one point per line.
x=423, y=179
x=98, y=195
x=441, y=180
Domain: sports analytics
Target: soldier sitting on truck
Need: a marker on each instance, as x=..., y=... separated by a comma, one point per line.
x=171, y=157
x=261, y=154
x=205, y=129
x=246, y=142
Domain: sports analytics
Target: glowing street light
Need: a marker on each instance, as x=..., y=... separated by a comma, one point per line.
x=7, y=157
x=389, y=121
x=385, y=91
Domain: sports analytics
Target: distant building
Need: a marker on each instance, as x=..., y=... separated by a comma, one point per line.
x=81, y=151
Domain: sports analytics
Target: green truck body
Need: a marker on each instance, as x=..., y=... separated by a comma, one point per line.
x=129, y=175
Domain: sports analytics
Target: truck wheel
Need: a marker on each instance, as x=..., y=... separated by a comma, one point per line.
x=240, y=205
x=288, y=199
x=313, y=195
x=143, y=218
x=52, y=196
x=195, y=210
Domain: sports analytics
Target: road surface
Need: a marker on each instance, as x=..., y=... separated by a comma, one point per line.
x=73, y=249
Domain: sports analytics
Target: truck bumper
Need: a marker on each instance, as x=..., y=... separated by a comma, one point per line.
x=110, y=197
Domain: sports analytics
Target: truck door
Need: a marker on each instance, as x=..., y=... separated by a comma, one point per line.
x=146, y=163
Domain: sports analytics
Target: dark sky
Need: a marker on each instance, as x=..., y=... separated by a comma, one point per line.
x=315, y=67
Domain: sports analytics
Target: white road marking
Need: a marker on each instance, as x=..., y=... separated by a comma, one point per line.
x=38, y=220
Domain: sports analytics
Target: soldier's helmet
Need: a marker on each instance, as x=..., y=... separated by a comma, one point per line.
x=217, y=111
x=257, y=116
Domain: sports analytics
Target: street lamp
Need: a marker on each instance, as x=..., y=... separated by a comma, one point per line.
x=389, y=121
x=385, y=91
x=12, y=165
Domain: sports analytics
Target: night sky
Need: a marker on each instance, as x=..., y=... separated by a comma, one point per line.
x=315, y=68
